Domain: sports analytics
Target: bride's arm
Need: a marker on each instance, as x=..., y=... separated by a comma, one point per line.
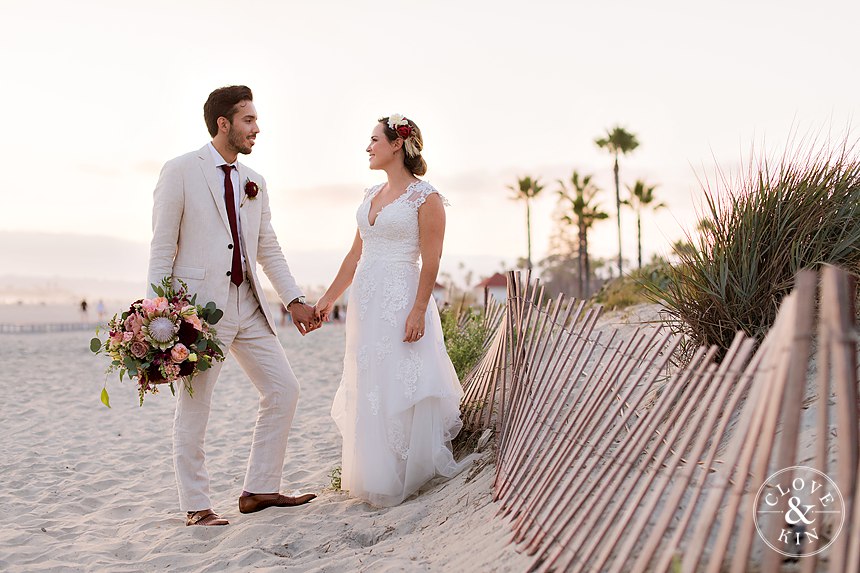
x=342, y=280
x=431, y=233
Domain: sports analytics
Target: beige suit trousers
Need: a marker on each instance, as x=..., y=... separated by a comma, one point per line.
x=245, y=332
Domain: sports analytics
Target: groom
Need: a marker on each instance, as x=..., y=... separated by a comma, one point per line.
x=211, y=225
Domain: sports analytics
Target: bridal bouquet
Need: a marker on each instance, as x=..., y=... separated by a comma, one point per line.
x=161, y=340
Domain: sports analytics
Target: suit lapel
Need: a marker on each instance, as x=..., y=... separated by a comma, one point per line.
x=216, y=186
x=250, y=225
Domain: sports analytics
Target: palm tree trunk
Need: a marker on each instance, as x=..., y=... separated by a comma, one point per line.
x=639, y=235
x=583, y=262
x=618, y=209
x=529, y=233
x=586, y=269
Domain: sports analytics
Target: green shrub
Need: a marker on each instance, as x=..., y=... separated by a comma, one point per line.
x=334, y=476
x=632, y=288
x=800, y=212
x=464, y=332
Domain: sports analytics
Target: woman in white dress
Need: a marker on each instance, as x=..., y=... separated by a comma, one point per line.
x=397, y=407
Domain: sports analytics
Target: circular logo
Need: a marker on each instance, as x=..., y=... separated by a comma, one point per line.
x=807, y=511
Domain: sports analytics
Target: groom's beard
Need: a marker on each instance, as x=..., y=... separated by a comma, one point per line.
x=237, y=142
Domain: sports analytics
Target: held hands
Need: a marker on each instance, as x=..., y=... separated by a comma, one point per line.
x=322, y=309
x=304, y=317
x=414, y=325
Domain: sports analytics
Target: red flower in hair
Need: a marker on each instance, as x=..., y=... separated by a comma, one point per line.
x=404, y=131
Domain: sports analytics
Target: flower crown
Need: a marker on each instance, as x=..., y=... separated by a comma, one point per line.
x=400, y=125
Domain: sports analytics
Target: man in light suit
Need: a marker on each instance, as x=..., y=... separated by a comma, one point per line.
x=211, y=226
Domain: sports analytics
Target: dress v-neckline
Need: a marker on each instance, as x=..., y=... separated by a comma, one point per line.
x=384, y=207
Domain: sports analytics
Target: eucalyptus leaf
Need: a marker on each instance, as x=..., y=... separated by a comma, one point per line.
x=216, y=316
x=202, y=365
x=105, y=397
x=95, y=344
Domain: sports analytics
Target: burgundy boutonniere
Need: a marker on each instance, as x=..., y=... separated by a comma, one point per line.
x=251, y=190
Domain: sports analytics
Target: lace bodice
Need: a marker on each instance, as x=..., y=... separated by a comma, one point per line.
x=394, y=234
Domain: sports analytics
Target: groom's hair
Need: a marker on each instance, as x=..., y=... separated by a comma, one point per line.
x=224, y=102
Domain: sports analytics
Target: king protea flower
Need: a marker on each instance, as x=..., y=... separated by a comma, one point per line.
x=160, y=332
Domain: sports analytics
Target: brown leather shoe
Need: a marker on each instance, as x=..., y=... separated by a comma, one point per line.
x=204, y=517
x=260, y=501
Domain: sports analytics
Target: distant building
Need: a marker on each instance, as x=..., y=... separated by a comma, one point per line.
x=440, y=295
x=497, y=287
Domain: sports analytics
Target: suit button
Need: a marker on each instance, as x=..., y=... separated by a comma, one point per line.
x=228, y=273
x=230, y=246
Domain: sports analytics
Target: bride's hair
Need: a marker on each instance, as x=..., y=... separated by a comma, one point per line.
x=414, y=163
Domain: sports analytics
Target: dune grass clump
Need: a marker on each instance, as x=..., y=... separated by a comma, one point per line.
x=758, y=231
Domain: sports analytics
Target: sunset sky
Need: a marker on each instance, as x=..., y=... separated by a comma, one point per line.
x=98, y=95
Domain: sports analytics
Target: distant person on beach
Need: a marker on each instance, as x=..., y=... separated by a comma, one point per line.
x=211, y=224
x=398, y=404
x=100, y=309
x=84, y=313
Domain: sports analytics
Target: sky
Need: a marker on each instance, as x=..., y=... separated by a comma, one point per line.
x=98, y=95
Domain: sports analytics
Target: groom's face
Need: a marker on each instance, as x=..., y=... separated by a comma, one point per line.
x=243, y=130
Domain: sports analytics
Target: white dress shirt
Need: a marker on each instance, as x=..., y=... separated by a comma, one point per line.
x=237, y=194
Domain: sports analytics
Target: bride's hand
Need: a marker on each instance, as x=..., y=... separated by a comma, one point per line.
x=323, y=307
x=414, y=326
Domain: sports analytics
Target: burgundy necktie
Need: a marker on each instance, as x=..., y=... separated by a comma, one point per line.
x=236, y=269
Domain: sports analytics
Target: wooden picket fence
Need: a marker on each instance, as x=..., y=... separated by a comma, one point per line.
x=610, y=459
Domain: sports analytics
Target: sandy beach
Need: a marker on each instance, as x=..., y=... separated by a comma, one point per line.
x=89, y=488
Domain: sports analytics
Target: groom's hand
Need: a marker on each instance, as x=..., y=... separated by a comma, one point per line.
x=304, y=317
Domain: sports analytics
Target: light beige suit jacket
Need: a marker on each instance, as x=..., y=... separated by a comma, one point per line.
x=191, y=233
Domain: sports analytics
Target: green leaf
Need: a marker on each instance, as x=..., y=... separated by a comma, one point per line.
x=210, y=306
x=202, y=365
x=216, y=316
x=214, y=346
x=201, y=346
x=194, y=300
x=105, y=397
x=95, y=344
x=121, y=374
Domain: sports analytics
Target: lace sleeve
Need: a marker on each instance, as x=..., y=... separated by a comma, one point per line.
x=420, y=192
x=371, y=191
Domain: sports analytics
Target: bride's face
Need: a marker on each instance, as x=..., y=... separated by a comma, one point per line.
x=380, y=150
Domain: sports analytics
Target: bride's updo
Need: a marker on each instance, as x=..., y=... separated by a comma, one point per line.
x=396, y=126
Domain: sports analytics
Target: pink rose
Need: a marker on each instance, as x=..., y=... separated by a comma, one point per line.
x=194, y=321
x=148, y=306
x=132, y=324
x=179, y=353
x=116, y=338
x=139, y=349
x=127, y=336
x=161, y=304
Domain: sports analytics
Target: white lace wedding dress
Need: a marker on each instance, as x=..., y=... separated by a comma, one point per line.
x=397, y=406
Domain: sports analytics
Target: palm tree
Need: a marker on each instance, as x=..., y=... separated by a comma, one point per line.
x=618, y=141
x=641, y=197
x=584, y=213
x=526, y=190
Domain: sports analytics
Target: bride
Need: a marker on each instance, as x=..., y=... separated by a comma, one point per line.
x=397, y=407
